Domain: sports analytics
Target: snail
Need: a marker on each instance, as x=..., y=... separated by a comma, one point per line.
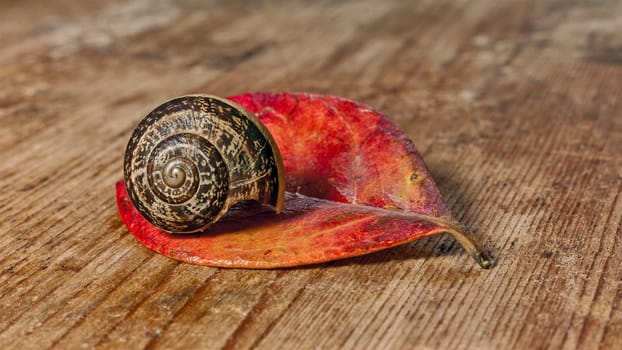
x=193, y=157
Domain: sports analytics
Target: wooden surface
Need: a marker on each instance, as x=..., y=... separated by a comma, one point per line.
x=515, y=106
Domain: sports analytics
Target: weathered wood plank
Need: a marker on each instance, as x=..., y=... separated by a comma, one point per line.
x=514, y=105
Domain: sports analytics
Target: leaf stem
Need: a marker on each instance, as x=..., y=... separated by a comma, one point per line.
x=466, y=241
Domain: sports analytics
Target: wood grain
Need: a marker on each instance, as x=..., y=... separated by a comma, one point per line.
x=515, y=105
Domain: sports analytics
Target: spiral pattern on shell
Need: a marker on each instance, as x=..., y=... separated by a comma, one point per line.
x=193, y=157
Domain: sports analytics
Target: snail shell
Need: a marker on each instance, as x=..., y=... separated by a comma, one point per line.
x=193, y=157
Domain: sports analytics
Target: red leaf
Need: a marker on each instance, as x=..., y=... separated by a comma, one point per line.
x=355, y=183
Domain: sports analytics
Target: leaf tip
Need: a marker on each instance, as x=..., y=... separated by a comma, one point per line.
x=484, y=260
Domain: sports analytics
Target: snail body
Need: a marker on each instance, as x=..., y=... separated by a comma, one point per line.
x=193, y=157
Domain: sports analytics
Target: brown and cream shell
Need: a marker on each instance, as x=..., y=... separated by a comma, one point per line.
x=193, y=157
